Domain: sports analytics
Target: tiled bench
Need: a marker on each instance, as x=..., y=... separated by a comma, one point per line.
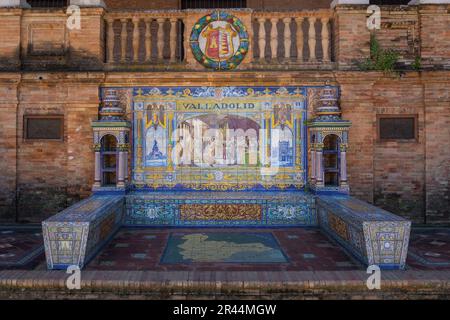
x=75, y=235
x=372, y=235
x=220, y=209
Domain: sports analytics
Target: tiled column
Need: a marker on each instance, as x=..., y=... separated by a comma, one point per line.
x=268, y=137
x=343, y=178
x=262, y=38
x=313, y=165
x=125, y=165
x=121, y=171
x=97, y=173
x=319, y=167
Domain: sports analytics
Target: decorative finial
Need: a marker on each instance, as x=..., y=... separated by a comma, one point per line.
x=111, y=109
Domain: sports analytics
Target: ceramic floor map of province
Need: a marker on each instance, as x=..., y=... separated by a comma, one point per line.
x=221, y=247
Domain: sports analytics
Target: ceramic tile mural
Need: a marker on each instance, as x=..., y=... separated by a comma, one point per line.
x=219, y=138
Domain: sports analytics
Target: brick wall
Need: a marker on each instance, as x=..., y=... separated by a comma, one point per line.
x=351, y=36
x=357, y=106
x=52, y=174
x=409, y=178
x=10, y=21
x=437, y=134
x=435, y=34
x=8, y=145
x=399, y=165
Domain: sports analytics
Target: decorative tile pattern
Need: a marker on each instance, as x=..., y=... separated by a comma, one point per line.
x=371, y=234
x=222, y=212
x=74, y=236
x=220, y=208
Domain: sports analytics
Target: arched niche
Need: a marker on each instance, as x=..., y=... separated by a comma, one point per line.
x=331, y=160
x=108, y=154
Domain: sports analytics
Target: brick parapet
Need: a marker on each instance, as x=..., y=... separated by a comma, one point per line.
x=172, y=284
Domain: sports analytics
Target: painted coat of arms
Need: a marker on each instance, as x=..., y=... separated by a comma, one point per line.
x=219, y=41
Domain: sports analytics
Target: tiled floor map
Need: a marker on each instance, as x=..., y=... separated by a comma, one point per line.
x=257, y=247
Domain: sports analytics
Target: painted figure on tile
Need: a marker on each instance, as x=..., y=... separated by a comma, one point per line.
x=282, y=146
x=155, y=115
x=156, y=146
x=282, y=115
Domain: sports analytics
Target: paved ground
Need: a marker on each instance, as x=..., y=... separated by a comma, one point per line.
x=288, y=249
x=222, y=249
x=21, y=247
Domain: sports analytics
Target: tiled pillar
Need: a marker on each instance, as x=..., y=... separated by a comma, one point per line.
x=121, y=171
x=268, y=142
x=313, y=165
x=319, y=168
x=97, y=174
x=343, y=178
x=125, y=165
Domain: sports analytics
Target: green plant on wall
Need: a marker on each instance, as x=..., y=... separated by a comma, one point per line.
x=380, y=59
x=417, y=64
